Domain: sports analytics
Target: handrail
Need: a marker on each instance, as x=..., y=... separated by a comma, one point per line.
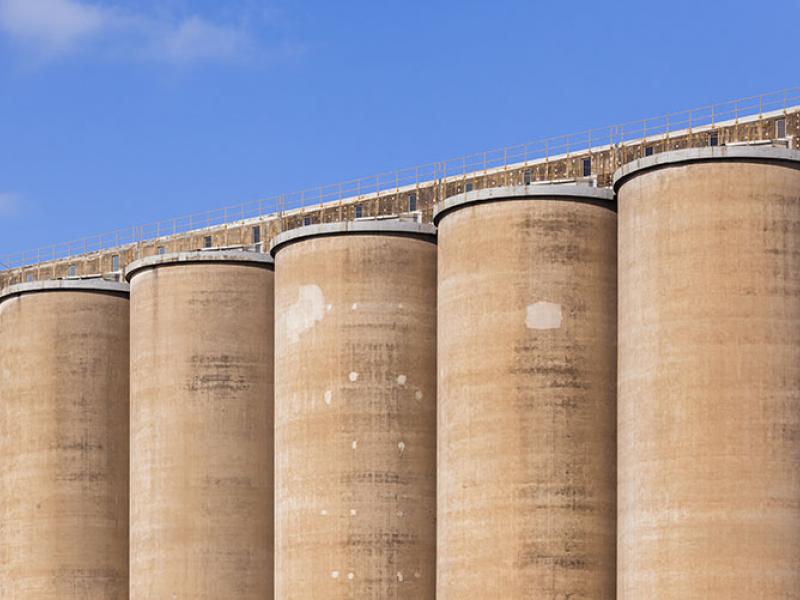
x=641, y=130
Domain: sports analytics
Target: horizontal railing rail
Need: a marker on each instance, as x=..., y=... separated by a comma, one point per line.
x=423, y=175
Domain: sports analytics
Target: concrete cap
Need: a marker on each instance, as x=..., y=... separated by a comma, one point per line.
x=566, y=191
x=376, y=227
x=95, y=284
x=704, y=154
x=200, y=256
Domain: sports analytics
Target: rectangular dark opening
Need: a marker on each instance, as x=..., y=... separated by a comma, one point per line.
x=587, y=167
x=780, y=128
x=359, y=211
x=207, y=242
x=527, y=177
x=648, y=151
x=306, y=220
x=713, y=139
x=256, y=234
x=468, y=187
x=412, y=202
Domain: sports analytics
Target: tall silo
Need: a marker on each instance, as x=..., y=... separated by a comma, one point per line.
x=355, y=421
x=64, y=440
x=709, y=385
x=202, y=426
x=526, y=354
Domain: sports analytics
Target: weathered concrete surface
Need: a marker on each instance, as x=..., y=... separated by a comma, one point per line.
x=709, y=385
x=527, y=370
x=64, y=444
x=355, y=437
x=201, y=429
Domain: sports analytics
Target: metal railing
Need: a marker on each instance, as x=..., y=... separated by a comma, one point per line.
x=423, y=175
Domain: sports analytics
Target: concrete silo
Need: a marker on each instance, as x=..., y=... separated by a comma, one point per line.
x=64, y=440
x=201, y=426
x=709, y=385
x=526, y=355
x=355, y=421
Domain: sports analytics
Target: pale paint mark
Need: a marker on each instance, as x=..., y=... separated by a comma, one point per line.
x=400, y=305
x=543, y=315
x=353, y=376
x=329, y=307
x=353, y=512
x=418, y=395
x=355, y=444
x=401, y=379
x=355, y=306
x=417, y=574
x=335, y=574
x=328, y=397
x=304, y=313
x=402, y=447
x=350, y=576
x=323, y=512
x=399, y=577
x=400, y=513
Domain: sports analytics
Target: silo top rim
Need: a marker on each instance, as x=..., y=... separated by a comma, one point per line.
x=65, y=285
x=376, y=227
x=566, y=191
x=704, y=154
x=207, y=256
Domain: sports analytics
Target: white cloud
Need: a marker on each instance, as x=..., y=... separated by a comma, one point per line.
x=53, y=28
x=197, y=39
x=10, y=205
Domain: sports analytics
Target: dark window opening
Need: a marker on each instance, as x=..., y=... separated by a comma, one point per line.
x=29, y=277
x=587, y=167
x=468, y=187
x=359, y=211
x=648, y=151
x=713, y=139
x=256, y=234
x=73, y=271
x=207, y=242
x=162, y=250
x=306, y=220
x=115, y=263
x=412, y=202
x=780, y=128
x=527, y=177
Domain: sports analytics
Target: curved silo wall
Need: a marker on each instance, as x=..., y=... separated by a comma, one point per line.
x=526, y=392
x=709, y=386
x=355, y=411
x=202, y=426
x=64, y=440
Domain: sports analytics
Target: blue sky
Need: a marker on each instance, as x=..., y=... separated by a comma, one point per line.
x=121, y=113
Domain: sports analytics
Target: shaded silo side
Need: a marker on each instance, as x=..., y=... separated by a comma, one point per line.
x=709, y=386
x=355, y=421
x=64, y=440
x=527, y=372
x=202, y=426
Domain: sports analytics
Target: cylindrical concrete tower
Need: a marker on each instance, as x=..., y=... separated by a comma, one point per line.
x=64, y=441
x=527, y=413
x=355, y=420
x=709, y=384
x=202, y=426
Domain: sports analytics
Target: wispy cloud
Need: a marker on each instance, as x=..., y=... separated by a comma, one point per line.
x=50, y=29
x=10, y=205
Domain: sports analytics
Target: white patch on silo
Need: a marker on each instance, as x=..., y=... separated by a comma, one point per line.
x=328, y=396
x=353, y=376
x=355, y=306
x=402, y=447
x=352, y=512
x=329, y=307
x=323, y=512
x=399, y=577
x=543, y=315
x=401, y=379
x=417, y=575
x=400, y=305
x=400, y=513
x=350, y=576
x=418, y=395
x=354, y=444
x=335, y=574
x=303, y=314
